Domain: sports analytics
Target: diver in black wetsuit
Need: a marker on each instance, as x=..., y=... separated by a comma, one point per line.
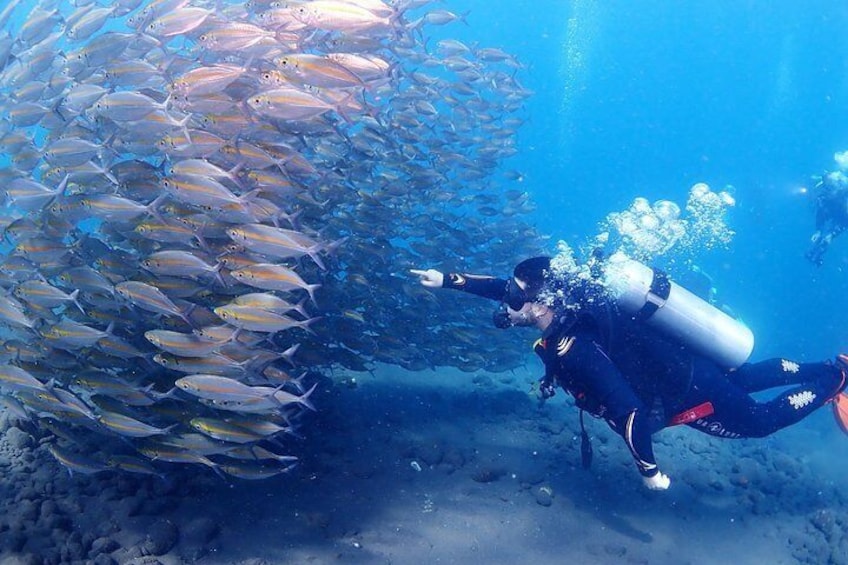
x=831, y=214
x=638, y=381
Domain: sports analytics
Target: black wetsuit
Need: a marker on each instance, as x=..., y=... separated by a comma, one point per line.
x=640, y=382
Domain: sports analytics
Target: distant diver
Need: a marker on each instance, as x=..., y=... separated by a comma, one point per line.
x=831, y=195
x=653, y=362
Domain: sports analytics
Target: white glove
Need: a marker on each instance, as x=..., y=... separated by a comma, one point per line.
x=657, y=482
x=430, y=277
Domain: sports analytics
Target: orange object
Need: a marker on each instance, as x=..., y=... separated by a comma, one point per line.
x=840, y=411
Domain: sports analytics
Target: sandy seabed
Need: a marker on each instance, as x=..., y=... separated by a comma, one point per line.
x=444, y=467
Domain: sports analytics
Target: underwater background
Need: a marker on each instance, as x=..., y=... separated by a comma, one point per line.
x=430, y=464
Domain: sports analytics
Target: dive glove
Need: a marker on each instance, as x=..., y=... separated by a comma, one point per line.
x=430, y=277
x=657, y=482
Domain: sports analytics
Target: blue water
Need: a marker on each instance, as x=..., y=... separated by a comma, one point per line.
x=647, y=98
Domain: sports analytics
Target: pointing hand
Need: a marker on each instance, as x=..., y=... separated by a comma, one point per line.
x=431, y=277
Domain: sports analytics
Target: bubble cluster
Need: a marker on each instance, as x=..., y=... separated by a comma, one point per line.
x=644, y=232
x=841, y=158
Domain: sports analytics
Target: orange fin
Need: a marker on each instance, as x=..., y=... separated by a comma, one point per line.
x=840, y=411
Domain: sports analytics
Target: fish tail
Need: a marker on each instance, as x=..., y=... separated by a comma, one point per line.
x=306, y=323
x=74, y=296
x=304, y=398
x=313, y=254
x=299, y=308
x=311, y=288
x=288, y=354
x=218, y=277
x=298, y=382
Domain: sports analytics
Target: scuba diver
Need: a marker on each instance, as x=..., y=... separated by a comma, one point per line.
x=651, y=358
x=831, y=213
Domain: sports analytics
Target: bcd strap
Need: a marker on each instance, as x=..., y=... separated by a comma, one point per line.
x=585, y=445
x=657, y=296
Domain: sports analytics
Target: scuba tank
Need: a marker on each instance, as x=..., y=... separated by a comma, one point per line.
x=650, y=296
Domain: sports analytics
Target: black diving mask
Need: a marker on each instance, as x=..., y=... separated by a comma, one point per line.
x=515, y=296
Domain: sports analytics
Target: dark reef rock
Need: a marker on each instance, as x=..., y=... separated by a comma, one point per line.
x=162, y=536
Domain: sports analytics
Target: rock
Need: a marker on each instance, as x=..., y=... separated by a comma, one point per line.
x=825, y=522
x=27, y=493
x=18, y=438
x=129, y=506
x=48, y=509
x=615, y=550
x=145, y=560
x=15, y=541
x=488, y=474
x=483, y=381
x=430, y=453
x=25, y=559
x=453, y=457
x=545, y=496
x=103, y=545
x=162, y=536
x=28, y=510
x=73, y=552
x=200, y=531
x=104, y=559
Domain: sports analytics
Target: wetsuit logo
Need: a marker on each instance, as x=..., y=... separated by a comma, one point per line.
x=789, y=366
x=801, y=399
x=716, y=429
x=564, y=345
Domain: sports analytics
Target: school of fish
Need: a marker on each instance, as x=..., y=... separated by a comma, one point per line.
x=207, y=204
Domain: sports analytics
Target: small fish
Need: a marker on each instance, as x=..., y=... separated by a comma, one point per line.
x=130, y=427
x=185, y=345
x=75, y=462
x=206, y=80
x=252, y=472
x=215, y=387
x=259, y=320
x=72, y=335
x=178, y=263
x=40, y=293
x=288, y=103
x=15, y=378
x=177, y=22
x=149, y=298
x=127, y=106
x=276, y=242
x=273, y=277
x=224, y=431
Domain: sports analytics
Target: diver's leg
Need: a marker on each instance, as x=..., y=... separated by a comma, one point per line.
x=754, y=377
x=742, y=416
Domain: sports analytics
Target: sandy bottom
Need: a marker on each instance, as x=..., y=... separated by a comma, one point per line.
x=447, y=467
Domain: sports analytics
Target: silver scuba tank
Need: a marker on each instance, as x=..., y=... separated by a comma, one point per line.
x=649, y=295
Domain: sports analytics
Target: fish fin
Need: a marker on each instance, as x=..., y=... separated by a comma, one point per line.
x=304, y=398
x=311, y=288
x=73, y=296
